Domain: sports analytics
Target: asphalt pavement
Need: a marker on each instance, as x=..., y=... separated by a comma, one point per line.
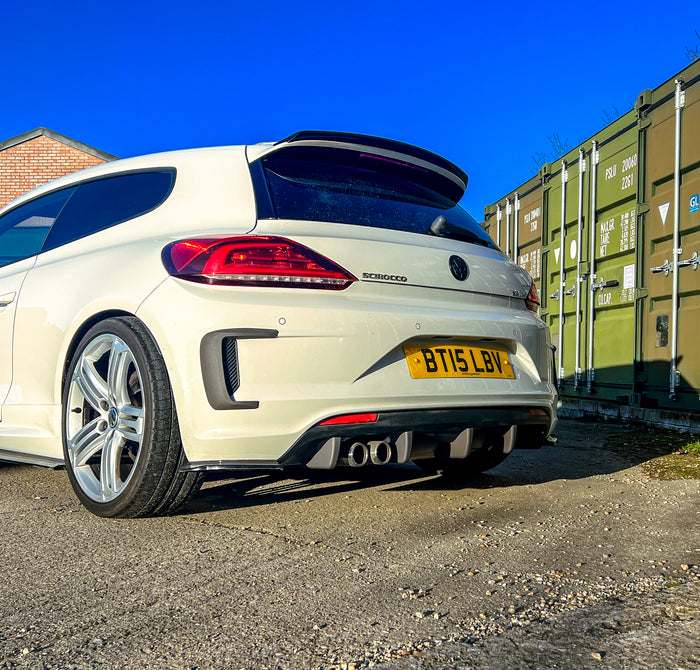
x=571, y=556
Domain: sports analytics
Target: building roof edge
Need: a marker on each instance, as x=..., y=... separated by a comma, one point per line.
x=63, y=139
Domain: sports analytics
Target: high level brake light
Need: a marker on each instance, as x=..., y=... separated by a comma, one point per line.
x=254, y=260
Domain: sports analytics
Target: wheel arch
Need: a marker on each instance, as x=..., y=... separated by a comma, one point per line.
x=80, y=333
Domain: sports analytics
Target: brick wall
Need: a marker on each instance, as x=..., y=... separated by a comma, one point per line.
x=36, y=161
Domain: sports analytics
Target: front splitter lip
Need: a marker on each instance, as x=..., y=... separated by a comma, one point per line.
x=393, y=423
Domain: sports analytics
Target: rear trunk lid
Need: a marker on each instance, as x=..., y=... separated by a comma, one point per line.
x=387, y=212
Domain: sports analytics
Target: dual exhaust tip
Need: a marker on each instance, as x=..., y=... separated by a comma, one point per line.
x=379, y=452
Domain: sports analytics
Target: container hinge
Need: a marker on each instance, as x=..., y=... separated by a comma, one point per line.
x=644, y=121
x=680, y=94
x=641, y=293
x=642, y=208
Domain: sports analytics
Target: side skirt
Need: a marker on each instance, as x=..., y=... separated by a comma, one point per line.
x=31, y=459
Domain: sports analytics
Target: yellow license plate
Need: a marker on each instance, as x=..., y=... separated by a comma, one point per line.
x=448, y=360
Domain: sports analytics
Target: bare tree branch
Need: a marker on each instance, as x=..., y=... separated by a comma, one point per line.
x=693, y=54
x=609, y=117
x=539, y=160
x=559, y=146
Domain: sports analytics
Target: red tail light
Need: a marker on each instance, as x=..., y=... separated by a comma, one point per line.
x=349, y=418
x=254, y=261
x=533, y=300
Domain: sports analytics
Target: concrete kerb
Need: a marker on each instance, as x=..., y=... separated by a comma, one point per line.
x=686, y=422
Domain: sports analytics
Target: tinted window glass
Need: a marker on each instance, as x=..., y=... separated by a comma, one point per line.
x=319, y=184
x=24, y=229
x=100, y=204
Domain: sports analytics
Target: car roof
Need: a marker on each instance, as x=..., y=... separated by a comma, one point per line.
x=192, y=158
x=183, y=158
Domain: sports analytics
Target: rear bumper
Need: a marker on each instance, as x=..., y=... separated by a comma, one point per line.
x=304, y=356
x=411, y=434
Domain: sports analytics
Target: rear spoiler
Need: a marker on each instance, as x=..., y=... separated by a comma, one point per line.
x=382, y=144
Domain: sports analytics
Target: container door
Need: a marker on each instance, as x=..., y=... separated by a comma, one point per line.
x=530, y=233
x=567, y=202
x=663, y=388
x=612, y=280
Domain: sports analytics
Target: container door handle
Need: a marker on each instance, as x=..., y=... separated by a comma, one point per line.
x=692, y=261
x=665, y=268
x=6, y=299
x=604, y=284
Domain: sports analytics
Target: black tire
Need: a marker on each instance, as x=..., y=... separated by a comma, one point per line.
x=121, y=440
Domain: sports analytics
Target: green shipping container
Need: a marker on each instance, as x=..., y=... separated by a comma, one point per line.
x=669, y=372
x=596, y=232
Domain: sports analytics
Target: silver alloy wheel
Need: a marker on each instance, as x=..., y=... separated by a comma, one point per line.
x=105, y=417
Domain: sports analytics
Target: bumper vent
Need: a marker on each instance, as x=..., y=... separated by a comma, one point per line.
x=230, y=362
x=218, y=353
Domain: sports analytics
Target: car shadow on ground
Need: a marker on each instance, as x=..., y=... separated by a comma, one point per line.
x=584, y=449
x=581, y=452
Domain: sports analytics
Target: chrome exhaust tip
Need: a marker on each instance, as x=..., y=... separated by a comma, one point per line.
x=379, y=452
x=358, y=455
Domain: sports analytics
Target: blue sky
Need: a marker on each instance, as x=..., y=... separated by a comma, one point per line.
x=484, y=84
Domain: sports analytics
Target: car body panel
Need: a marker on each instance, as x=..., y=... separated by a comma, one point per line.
x=334, y=354
x=114, y=277
x=11, y=278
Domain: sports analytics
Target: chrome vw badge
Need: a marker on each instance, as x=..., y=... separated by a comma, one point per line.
x=459, y=268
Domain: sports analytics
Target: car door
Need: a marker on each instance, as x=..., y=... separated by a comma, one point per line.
x=11, y=279
x=22, y=234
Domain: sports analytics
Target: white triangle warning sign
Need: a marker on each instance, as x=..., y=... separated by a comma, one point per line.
x=557, y=251
x=663, y=210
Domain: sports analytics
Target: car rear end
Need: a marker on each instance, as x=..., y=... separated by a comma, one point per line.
x=364, y=308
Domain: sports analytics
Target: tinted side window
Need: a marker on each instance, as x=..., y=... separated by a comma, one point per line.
x=24, y=229
x=101, y=204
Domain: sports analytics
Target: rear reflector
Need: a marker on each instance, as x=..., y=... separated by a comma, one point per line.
x=349, y=418
x=253, y=260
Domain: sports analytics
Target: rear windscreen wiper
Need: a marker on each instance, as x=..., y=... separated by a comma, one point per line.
x=441, y=227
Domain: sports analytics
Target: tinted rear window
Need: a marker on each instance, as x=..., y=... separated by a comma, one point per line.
x=343, y=186
x=103, y=203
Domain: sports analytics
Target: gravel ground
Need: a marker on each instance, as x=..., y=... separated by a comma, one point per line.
x=571, y=556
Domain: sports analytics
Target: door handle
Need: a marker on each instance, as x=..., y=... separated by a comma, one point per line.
x=6, y=299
